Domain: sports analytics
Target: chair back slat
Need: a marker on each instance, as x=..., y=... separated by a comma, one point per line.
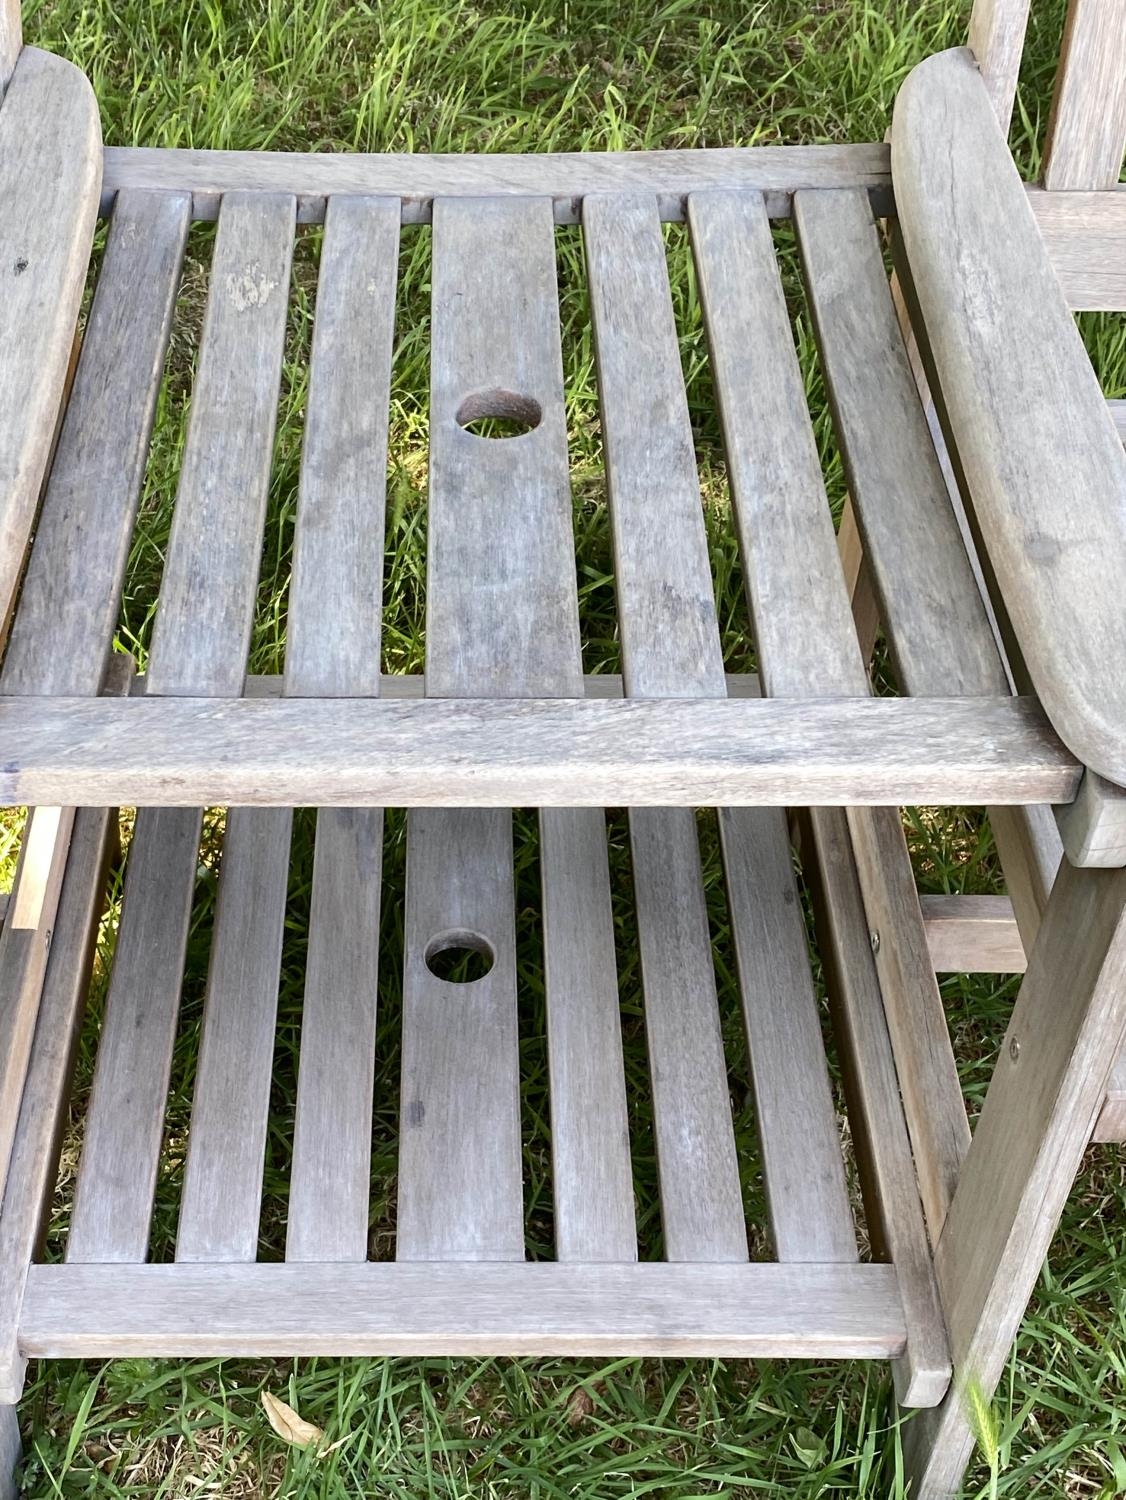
x=1087, y=128
x=996, y=38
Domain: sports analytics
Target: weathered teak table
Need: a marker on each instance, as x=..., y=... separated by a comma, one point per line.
x=506, y=719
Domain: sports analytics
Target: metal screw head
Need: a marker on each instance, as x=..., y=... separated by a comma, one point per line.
x=874, y=939
x=1014, y=1049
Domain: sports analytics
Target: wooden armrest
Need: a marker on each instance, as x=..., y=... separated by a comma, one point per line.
x=50, y=179
x=1043, y=467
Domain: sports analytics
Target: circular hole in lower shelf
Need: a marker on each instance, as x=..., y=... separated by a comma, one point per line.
x=498, y=413
x=459, y=957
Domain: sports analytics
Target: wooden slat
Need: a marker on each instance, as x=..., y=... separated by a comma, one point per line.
x=331, y=1172
x=338, y=555
x=1048, y=499
x=1087, y=126
x=417, y=180
x=973, y=935
x=591, y=1168
x=339, y=544
x=71, y=593
x=802, y=1165
x=1117, y=411
x=11, y=39
x=1093, y=827
x=25, y=943
x=670, y=648
x=596, y=752
x=203, y=624
x=1066, y=1026
x=413, y=685
x=124, y=1119
x=996, y=38
x=803, y=624
x=1085, y=236
x=891, y=1191
x=783, y=519
x=222, y=1192
x=459, y=1195
x=502, y=617
x=666, y=601
x=50, y=171
x=1111, y=1123
x=541, y=1308
x=938, y=628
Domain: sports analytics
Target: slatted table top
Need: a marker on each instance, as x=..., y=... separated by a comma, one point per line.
x=502, y=615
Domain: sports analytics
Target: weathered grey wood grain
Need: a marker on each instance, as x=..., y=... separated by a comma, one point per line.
x=338, y=554
x=501, y=608
x=11, y=40
x=1093, y=827
x=1111, y=1123
x=803, y=626
x=1085, y=234
x=595, y=752
x=388, y=1308
x=891, y=1191
x=222, y=1193
x=418, y=179
x=973, y=935
x=125, y=1117
x=1117, y=411
x=203, y=624
x=1030, y=850
x=592, y=1175
x=339, y=539
x=1066, y=1027
x=11, y=1451
x=670, y=648
x=459, y=1193
x=701, y=1199
x=664, y=583
x=1044, y=469
x=806, y=644
x=25, y=943
x=996, y=38
x=924, y=1054
x=502, y=617
x=71, y=592
x=413, y=685
x=50, y=173
x=1087, y=127
x=331, y=1173
x=802, y=1166
x=938, y=629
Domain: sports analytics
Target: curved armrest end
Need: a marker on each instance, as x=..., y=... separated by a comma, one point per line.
x=50, y=181
x=1043, y=466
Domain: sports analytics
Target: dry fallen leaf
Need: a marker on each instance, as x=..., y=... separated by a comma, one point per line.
x=288, y=1425
x=580, y=1406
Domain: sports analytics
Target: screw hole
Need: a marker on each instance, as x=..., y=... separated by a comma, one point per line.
x=459, y=957
x=499, y=414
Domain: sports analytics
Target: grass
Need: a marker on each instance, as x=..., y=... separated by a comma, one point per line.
x=418, y=74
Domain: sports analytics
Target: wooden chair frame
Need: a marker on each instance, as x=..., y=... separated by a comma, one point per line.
x=985, y=532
